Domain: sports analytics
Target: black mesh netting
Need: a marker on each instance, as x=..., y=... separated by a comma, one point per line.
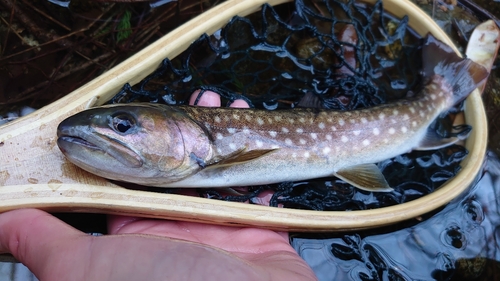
x=330, y=54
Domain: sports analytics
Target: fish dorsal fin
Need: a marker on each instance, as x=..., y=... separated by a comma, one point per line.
x=433, y=141
x=310, y=100
x=239, y=157
x=366, y=177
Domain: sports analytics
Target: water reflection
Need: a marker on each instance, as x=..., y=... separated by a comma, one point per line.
x=460, y=242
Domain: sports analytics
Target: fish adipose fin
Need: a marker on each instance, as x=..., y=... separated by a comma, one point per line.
x=433, y=141
x=365, y=176
x=241, y=156
x=463, y=75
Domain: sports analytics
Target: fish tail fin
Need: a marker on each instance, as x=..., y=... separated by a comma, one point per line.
x=463, y=75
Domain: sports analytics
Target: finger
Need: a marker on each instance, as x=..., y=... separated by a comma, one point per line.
x=207, y=99
x=264, y=249
x=232, y=239
x=52, y=250
x=32, y=235
x=239, y=103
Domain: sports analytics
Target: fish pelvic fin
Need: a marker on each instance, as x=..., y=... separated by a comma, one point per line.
x=463, y=75
x=366, y=177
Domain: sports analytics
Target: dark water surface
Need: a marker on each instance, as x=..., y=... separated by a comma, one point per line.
x=459, y=242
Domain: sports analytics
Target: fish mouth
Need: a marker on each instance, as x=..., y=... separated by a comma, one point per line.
x=85, y=148
x=76, y=141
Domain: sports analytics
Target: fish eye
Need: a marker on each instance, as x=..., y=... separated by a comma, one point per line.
x=122, y=123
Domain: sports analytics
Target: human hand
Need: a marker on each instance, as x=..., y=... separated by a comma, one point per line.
x=149, y=249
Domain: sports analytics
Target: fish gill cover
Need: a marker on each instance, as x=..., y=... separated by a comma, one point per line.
x=335, y=54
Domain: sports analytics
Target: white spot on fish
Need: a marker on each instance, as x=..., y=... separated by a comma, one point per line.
x=422, y=113
x=395, y=112
x=441, y=94
x=404, y=129
x=299, y=130
x=294, y=155
x=302, y=120
x=363, y=120
x=412, y=109
x=272, y=134
x=302, y=141
x=226, y=118
x=219, y=136
x=329, y=120
x=433, y=86
x=306, y=154
x=420, y=104
x=232, y=146
x=341, y=122
x=269, y=120
x=288, y=141
x=236, y=116
x=326, y=150
x=391, y=131
x=414, y=123
x=260, y=121
x=366, y=142
x=376, y=131
x=334, y=128
x=231, y=130
x=386, y=140
x=393, y=121
x=329, y=137
x=344, y=139
x=275, y=146
x=291, y=121
x=248, y=117
x=352, y=121
x=246, y=130
x=381, y=116
x=314, y=136
x=219, y=150
x=433, y=96
x=356, y=133
x=406, y=117
x=259, y=143
x=321, y=125
x=278, y=118
x=217, y=119
x=284, y=130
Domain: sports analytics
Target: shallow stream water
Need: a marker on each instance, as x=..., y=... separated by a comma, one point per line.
x=459, y=242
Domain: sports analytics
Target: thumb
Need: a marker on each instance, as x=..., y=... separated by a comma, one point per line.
x=32, y=236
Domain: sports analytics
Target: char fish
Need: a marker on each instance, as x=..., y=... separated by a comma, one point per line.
x=186, y=146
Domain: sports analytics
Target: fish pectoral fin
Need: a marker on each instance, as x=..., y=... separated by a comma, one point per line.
x=241, y=156
x=433, y=141
x=366, y=177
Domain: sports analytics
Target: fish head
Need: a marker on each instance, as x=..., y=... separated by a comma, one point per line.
x=146, y=144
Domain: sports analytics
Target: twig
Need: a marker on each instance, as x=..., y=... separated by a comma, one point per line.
x=8, y=31
x=47, y=16
x=35, y=29
x=63, y=75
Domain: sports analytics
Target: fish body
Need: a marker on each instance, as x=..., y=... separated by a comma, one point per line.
x=186, y=146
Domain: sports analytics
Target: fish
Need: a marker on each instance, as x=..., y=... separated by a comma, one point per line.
x=197, y=147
